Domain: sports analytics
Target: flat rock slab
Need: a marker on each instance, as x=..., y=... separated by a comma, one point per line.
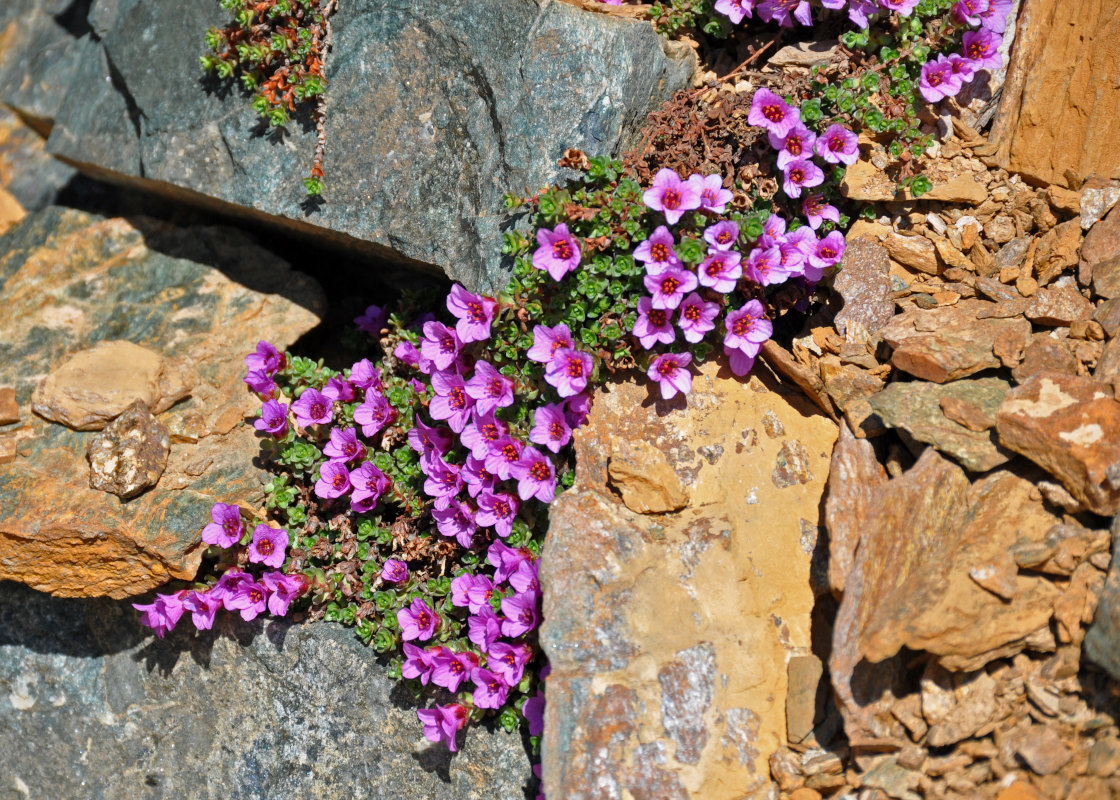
x=69, y=280
x=1102, y=640
x=436, y=110
x=669, y=634
x=247, y=711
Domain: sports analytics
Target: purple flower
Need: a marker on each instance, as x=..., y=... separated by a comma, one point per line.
x=817, y=211
x=471, y=591
x=417, y=621
x=508, y=661
x=374, y=414
x=456, y=522
x=274, y=418
x=670, y=370
x=452, y=668
x=546, y=341
x=781, y=10
x=484, y=628
x=497, y=510
x=490, y=389
x=371, y=321
x=535, y=475
x=838, y=145
x=228, y=583
x=720, y=270
x=428, y=440
x=550, y=427
x=344, y=445
x=652, y=325
x=657, y=252
x=334, y=480
x=735, y=10
x=577, y=409
x=418, y=662
x=440, y=345
x=828, y=252
x=268, y=546
x=262, y=383
x=995, y=18
x=339, y=390
x=964, y=70
x=671, y=195
x=443, y=481
x=284, y=589
x=903, y=7
x=713, y=197
x=796, y=144
x=441, y=723
x=858, y=11
x=369, y=484
x=521, y=614
x=747, y=328
x=792, y=255
x=669, y=287
x=533, y=709
x=558, y=253
x=982, y=49
x=764, y=266
x=772, y=230
x=266, y=359
x=364, y=375
x=394, y=571
x=474, y=312
x=505, y=559
x=248, y=597
x=773, y=113
x=483, y=429
x=697, y=317
x=938, y=80
x=313, y=407
x=722, y=235
x=801, y=173
x=525, y=578
x=451, y=402
x=406, y=351
x=967, y=12
x=476, y=476
x=502, y=455
x=491, y=691
x=203, y=608
x=163, y=613
x=226, y=529
x=569, y=371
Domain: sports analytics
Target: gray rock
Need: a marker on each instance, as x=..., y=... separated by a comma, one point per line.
x=39, y=55
x=1102, y=640
x=92, y=707
x=435, y=111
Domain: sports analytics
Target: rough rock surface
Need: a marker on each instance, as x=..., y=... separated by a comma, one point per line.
x=668, y=634
x=435, y=113
x=249, y=710
x=65, y=277
x=1102, y=640
x=129, y=456
x=865, y=286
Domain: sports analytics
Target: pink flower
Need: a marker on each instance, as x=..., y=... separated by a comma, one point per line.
x=577, y=409
x=505, y=559
x=489, y=388
x=828, y=252
x=344, y=445
x=274, y=418
x=371, y=321
x=334, y=480
x=497, y=510
x=406, y=351
x=394, y=571
x=313, y=407
x=502, y=455
x=669, y=287
x=417, y=621
x=419, y=662
x=781, y=10
x=525, y=578
x=481, y=432
x=374, y=414
x=428, y=439
x=451, y=402
x=203, y=608
x=697, y=317
x=722, y=235
x=652, y=325
x=735, y=10
x=535, y=475
x=858, y=11
x=982, y=49
x=964, y=70
x=967, y=12
x=801, y=173
x=476, y=477
x=163, y=613
x=773, y=113
x=474, y=312
x=491, y=691
x=838, y=145
x=456, y=521
x=670, y=371
x=713, y=197
x=816, y=211
x=339, y=390
x=938, y=80
x=364, y=375
x=569, y=371
x=443, y=481
x=558, y=253
x=442, y=723
x=796, y=144
x=747, y=328
x=521, y=614
x=440, y=344
x=268, y=546
x=262, y=383
x=484, y=628
x=671, y=195
x=369, y=484
x=995, y=18
x=226, y=529
x=657, y=252
x=720, y=270
x=284, y=589
x=550, y=428
x=902, y=7
x=533, y=709
x=266, y=359
x=508, y=661
x=248, y=597
x=452, y=668
x=764, y=266
x=547, y=341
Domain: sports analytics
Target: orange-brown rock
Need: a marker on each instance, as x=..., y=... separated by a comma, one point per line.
x=11, y=211
x=668, y=634
x=9, y=408
x=1061, y=102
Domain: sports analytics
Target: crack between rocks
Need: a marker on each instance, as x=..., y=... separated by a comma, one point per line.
x=134, y=112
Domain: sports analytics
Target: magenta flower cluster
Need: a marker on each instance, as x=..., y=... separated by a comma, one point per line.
x=945, y=76
x=788, y=12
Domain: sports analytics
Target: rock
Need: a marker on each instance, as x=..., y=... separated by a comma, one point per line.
x=668, y=636
x=1020, y=790
x=9, y=408
x=435, y=113
x=1102, y=243
x=1058, y=113
x=1102, y=640
x=845, y=383
x=865, y=286
x=1104, y=757
x=857, y=475
x=865, y=181
x=805, y=54
x=956, y=705
x=915, y=590
x=945, y=344
x=1065, y=200
x=66, y=277
x=32, y=177
x=916, y=252
x=38, y=56
x=11, y=211
x=1042, y=749
x=1057, y=250
x=1108, y=315
x=1059, y=306
x=258, y=709
x=1106, y=277
x=1045, y=354
x=916, y=407
x=1063, y=423
x=129, y=456
x=643, y=477
x=94, y=386
x=1011, y=254
x=892, y=779
x=1108, y=365
x=802, y=706
x=960, y=189
x=1098, y=196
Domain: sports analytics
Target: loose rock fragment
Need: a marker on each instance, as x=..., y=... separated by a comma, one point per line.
x=128, y=457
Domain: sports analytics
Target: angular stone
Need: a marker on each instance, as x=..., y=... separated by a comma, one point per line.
x=1059, y=306
x=9, y=408
x=805, y=54
x=94, y=386
x=32, y=177
x=129, y=456
x=56, y=533
x=1011, y=254
x=1106, y=277
x=956, y=705
x=1046, y=354
x=1042, y=749
x=643, y=477
x=1108, y=315
x=1108, y=365
x=864, y=284
x=944, y=344
x=1057, y=250
x=916, y=252
x=802, y=706
x=11, y=211
x=1102, y=640
x=845, y=383
x=1102, y=243
x=1098, y=196
x=435, y=113
x=38, y=55
x=259, y=709
x=669, y=635
x=856, y=477
x=1066, y=425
